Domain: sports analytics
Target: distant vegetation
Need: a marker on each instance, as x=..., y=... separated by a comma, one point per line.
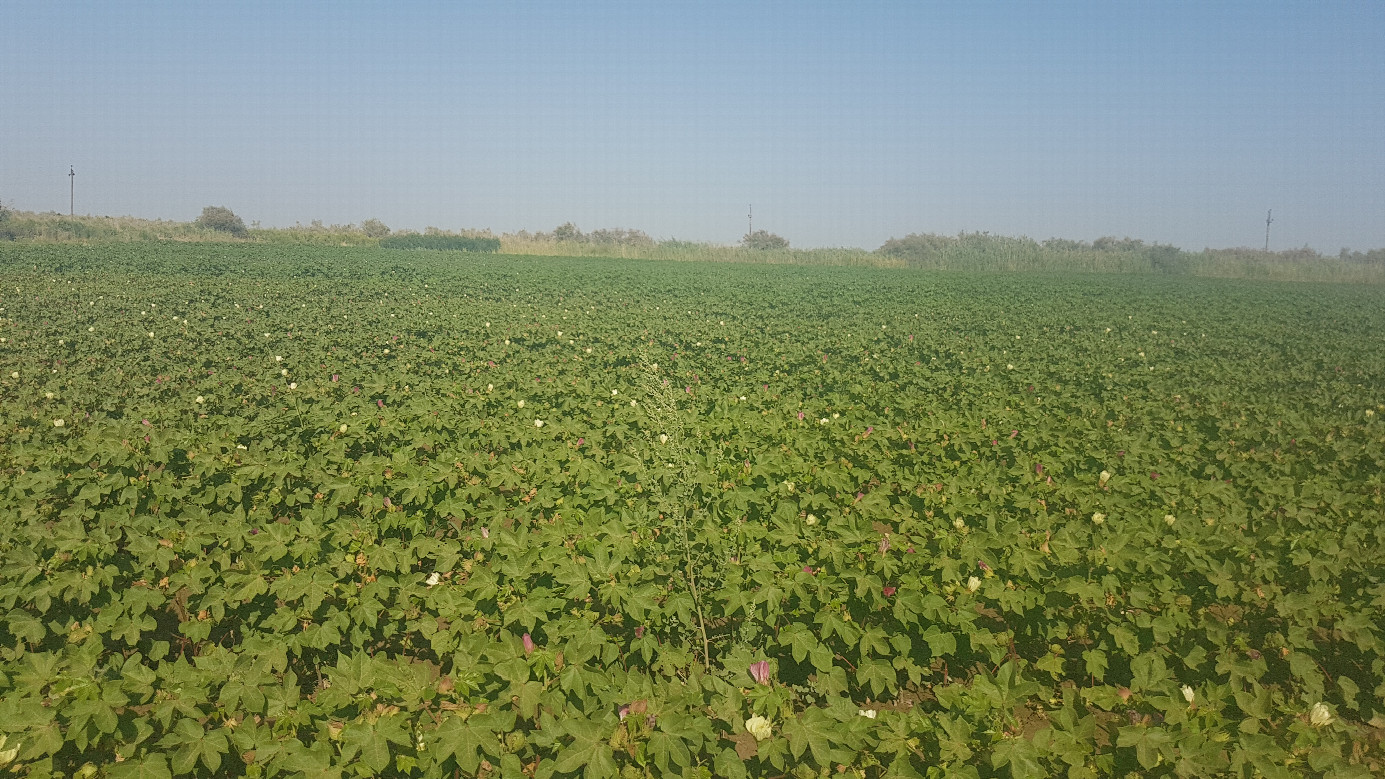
x=222, y=219
x=964, y=251
x=762, y=240
x=462, y=243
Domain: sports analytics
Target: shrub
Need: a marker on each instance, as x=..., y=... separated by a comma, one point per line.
x=221, y=218
x=374, y=228
x=762, y=240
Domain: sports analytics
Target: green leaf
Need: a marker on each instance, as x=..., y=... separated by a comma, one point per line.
x=1021, y=756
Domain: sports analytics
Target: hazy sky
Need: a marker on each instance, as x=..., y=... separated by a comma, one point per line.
x=843, y=123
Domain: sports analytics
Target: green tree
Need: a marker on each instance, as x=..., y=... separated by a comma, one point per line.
x=222, y=219
x=761, y=239
x=374, y=228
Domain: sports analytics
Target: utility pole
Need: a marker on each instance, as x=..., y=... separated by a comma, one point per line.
x=1267, y=229
x=71, y=190
x=750, y=219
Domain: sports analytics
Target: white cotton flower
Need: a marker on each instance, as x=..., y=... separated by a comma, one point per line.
x=973, y=584
x=278, y=358
x=387, y=351
x=48, y=395
x=835, y=415
x=520, y=404
x=91, y=329
x=58, y=423
x=151, y=333
x=240, y=447
x=632, y=404
x=341, y=429
x=867, y=713
x=1103, y=478
x=490, y=388
x=14, y=374
x=822, y=421
x=742, y=398
x=1098, y=518
x=488, y=324
x=293, y=385
x=1320, y=715
x=759, y=727
x=1188, y=694
x=433, y=579
x=614, y=393
x=663, y=438
x=538, y=423
x=199, y=399
x=1009, y=366
x=811, y=520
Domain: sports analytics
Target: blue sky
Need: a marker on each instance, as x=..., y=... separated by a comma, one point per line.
x=843, y=123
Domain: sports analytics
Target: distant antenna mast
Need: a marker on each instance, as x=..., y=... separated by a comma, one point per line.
x=71, y=190
x=750, y=220
x=1268, y=219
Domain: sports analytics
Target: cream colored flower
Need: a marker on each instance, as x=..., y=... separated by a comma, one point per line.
x=959, y=524
x=973, y=584
x=759, y=727
x=1320, y=715
x=433, y=579
x=538, y=423
x=867, y=713
x=1169, y=519
x=1098, y=518
x=58, y=423
x=810, y=520
x=1103, y=478
x=521, y=404
x=199, y=399
x=1188, y=694
x=341, y=429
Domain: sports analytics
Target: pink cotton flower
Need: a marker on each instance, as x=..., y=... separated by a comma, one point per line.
x=529, y=644
x=335, y=377
x=889, y=591
x=982, y=565
x=379, y=403
x=1014, y=433
x=760, y=672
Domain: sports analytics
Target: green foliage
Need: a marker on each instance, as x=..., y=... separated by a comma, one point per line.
x=762, y=240
x=374, y=228
x=221, y=219
x=442, y=242
x=306, y=525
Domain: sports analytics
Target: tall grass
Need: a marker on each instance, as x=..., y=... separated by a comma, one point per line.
x=965, y=252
